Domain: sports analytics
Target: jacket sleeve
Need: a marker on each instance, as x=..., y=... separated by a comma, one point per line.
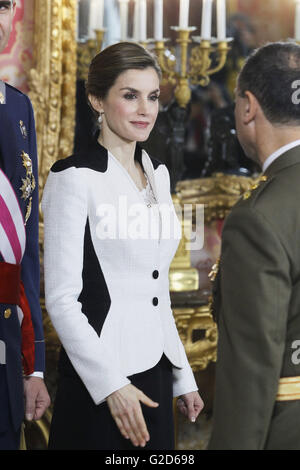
x=64, y=206
x=183, y=379
x=30, y=267
x=255, y=294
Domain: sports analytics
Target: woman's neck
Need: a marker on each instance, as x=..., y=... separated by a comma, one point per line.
x=122, y=150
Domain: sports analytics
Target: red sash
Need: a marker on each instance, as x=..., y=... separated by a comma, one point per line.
x=28, y=349
x=12, y=247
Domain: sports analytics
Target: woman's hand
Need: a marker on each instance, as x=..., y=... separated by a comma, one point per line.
x=190, y=405
x=124, y=405
x=36, y=396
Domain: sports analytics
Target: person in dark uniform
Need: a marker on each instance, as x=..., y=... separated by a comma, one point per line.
x=21, y=327
x=256, y=289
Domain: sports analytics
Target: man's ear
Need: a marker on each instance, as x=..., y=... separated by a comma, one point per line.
x=250, y=107
x=96, y=103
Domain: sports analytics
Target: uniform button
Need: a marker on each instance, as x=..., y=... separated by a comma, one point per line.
x=7, y=313
x=155, y=301
x=155, y=274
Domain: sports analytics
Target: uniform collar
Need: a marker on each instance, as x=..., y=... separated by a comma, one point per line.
x=2, y=92
x=278, y=153
x=286, y=156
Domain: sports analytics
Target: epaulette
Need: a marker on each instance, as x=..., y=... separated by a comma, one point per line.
x=214, y=271
x=212, y=307
x=256, y=185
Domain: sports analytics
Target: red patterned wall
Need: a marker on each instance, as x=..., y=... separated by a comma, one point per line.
x=16, y=59
x=273, y=19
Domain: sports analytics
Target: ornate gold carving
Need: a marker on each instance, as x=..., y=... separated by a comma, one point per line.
x=196, y=69
x=182, y=276
x=218, y=193
x=52, y=81
x=86, y=51
x=52, y=84
x=190, y=321
x=69, y=71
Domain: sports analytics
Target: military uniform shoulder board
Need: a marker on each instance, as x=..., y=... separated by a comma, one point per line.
x=213, y=298
x=2, y=92
x=214, y=270
x=256, y=185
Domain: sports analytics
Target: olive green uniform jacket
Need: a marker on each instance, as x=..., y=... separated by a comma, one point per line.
x=257, y=305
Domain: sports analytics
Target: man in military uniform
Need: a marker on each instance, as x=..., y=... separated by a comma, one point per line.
x=21, y=329
x=256, y=290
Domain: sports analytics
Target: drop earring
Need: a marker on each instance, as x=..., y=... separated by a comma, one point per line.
x=100, y=119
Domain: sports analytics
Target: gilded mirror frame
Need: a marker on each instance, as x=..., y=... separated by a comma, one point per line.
x=52, y=90
x=53, y=73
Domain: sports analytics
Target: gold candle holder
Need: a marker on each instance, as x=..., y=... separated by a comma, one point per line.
x=99, y=38
x=167, y=62
x=86, y=51
x=183, y=91
x=195, y=70
x=200, y=61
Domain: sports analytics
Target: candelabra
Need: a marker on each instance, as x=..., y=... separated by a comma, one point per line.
x=193, y=65
x=195, y=70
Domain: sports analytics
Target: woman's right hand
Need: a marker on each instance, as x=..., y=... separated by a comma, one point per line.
x=125, y=407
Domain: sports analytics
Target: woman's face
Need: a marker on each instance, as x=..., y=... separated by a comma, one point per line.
x=131, y=105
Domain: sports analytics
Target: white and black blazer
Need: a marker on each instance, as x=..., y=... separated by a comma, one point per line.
x=106, y=278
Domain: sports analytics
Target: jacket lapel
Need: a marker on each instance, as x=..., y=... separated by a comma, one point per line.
x=149, y=169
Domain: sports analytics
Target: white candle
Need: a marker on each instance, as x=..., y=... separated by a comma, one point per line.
x=100, y=16
x=96, y=16
x=297, y=21
x=206, y=19
x=77, y=20
x=124, y=19
x=158, y=20
x=184, y=14
x=84, y=18
x=221, y=19
x=136, y=21
x=92, y=13
x=143, y=20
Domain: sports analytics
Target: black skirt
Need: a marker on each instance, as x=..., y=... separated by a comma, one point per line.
x=79, y=424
